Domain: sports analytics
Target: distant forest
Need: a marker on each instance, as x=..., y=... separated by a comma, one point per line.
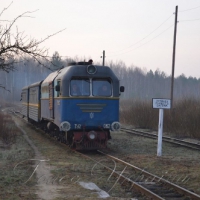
x=139, y=84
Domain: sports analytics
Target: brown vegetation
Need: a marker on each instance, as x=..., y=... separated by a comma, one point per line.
x=14, y=175
x=7, y=130
x=182, y=120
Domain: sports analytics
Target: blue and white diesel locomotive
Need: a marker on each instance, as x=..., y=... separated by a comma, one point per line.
x=78, y=104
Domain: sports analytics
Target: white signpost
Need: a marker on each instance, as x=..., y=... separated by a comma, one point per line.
x=161, y=104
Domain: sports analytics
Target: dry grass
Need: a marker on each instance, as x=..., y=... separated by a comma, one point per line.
x=182, y=120
x=12, y=179
x=138, y=113
x=179, y=165
x=7, y=129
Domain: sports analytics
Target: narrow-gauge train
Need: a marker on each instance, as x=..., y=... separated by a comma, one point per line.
x=78, y=104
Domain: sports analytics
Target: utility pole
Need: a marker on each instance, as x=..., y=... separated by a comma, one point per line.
x=173, y=56
x=103, y=58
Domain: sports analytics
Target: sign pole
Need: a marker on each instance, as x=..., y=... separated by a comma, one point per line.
x=160, y=132
x=160, y=104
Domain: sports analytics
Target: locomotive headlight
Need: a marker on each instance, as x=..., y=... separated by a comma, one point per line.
x=115, y=126
x=92, y=135
x=91, y=69
x=65, y=126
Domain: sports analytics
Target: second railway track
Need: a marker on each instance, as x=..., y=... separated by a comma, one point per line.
x=151, y=185
x=191, y=145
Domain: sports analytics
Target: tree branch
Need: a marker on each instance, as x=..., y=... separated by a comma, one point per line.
x=1, y=86
x=5, y=8
x=13, y=46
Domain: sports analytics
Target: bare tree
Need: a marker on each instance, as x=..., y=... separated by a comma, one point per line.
x=16, y=44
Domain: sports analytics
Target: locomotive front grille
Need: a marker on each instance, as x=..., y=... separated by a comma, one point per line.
x=91, y=107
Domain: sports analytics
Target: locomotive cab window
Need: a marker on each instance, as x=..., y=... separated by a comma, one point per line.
x=80, y=87
x=58, y=89
x=101, y=87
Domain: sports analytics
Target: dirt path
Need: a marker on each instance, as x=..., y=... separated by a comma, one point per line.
x=46, y=190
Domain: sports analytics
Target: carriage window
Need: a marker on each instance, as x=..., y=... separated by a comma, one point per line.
x=24, y=96
x=80, y=87
x=33, y=95
x=101, y=87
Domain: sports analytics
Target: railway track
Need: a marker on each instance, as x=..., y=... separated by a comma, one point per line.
x=191, y=145
x=149, y=186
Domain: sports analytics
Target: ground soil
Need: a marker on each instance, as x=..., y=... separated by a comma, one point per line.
x=55, y=172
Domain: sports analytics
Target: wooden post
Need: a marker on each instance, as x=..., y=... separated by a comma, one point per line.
x=173, y=57
x=103, y=58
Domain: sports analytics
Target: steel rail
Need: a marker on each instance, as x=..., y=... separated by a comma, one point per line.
x=137, y=186
x=160, y=179
x=190, y=145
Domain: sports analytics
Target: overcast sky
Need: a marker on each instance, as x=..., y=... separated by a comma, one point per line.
x=137, y=32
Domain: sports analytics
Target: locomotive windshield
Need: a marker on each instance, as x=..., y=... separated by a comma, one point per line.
x=90, y=87
x=101, y=87
x=80, y=87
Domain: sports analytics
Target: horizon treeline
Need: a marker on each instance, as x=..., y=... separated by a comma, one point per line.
x=139, y=84
x=145, y=85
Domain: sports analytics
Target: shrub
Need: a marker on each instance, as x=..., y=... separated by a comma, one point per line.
x=138, y=113
x=182, y=120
